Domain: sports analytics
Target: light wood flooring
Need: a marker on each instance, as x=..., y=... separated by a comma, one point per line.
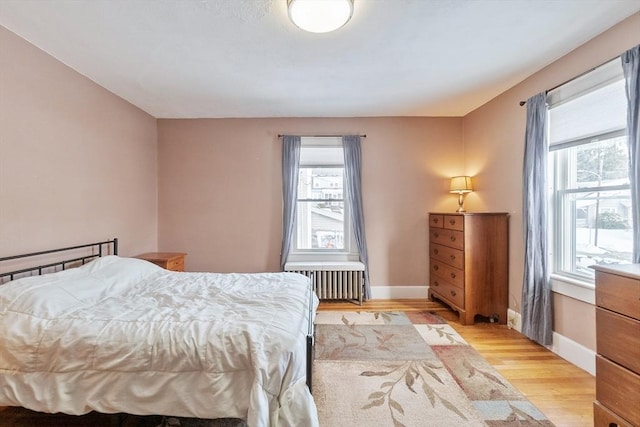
x=562, y=391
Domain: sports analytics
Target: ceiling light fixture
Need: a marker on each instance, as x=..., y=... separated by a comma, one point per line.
x=320, y=16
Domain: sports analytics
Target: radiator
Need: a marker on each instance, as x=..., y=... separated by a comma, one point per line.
x=343, y=281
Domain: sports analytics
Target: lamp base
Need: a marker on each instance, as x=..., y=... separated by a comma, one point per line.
x=460, y=202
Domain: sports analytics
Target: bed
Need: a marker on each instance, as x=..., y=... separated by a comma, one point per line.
x=122, y=335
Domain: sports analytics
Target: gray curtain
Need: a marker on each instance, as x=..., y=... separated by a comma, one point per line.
x=290, y=168
x=631, y=68
x=353, y=172
x=536, y=289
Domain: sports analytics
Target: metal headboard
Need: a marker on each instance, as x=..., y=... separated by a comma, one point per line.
x=63, y=263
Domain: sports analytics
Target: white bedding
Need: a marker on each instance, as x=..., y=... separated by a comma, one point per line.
x=123, y=335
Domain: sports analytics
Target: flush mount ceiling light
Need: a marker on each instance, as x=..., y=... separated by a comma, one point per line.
x=320, y=16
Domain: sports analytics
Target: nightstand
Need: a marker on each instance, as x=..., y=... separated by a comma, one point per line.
x=173, y=261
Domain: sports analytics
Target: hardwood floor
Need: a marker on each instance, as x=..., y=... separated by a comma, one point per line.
x=562, y=391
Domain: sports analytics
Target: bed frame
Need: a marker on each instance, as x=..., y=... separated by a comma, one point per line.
x=96, y=250
x=311, y=338
x=110, y=247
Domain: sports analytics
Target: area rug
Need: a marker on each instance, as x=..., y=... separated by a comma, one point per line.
x=372, y=369
x=381, y=369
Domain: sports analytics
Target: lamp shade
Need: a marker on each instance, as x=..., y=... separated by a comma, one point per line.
x=461, y=184
x=320, y=16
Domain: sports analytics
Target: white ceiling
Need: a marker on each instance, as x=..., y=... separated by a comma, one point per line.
x=244, y=58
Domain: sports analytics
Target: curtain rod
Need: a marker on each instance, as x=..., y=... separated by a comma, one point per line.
x=576, y=77
x=321, y=136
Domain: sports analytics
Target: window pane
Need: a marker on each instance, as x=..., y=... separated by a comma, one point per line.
x=320, y=222
x=596, y=229
x=320, y=183
x=320, y=225
x=600, y=163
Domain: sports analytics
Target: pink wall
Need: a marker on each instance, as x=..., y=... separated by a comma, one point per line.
x=494, y=146
x=220, y=196
x=77, y=163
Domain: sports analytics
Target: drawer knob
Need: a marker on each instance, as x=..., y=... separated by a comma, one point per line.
x=436, y=235
x=452, y=221
x=453, y=293
x=453, y=238
x=436, y=284
x=435, y=267
x=452, y=257
x=435, y=220
x=453, y=275
x=435, y=251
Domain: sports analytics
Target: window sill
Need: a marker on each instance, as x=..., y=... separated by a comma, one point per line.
x=323, y=257
x=326, y=265
x=574, y=288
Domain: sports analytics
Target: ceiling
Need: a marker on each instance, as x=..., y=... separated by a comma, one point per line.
x=244, y=58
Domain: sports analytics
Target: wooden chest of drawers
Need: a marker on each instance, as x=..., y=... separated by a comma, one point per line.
x=469, y=263
x=173, y=261
x=618, y=345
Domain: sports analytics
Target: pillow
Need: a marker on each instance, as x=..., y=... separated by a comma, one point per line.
x=47, y=295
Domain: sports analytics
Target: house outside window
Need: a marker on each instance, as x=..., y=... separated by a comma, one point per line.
x=590, y=207
x=322, y=231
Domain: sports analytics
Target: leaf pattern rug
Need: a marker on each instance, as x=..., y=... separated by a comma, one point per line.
x=408, y=370
x=372, y=369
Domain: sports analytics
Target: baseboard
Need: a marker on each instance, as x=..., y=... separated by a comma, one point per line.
x=568, y=349
x=399, y=292
x=574, y=352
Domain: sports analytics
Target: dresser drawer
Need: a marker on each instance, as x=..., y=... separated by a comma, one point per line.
x=448, y=291
x=454, y=222
x=450, y=256
x=618, y=389
x=451, y=238
x=436, y=221
x=447, y=272
x=603, y=417
x=618, y=338
x=618, y=293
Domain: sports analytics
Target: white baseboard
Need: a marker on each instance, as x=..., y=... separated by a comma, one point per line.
x=399, y=292
x=574, y=352
x=564, y=347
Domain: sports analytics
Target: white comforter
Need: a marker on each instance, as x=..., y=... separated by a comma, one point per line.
x=123, y=335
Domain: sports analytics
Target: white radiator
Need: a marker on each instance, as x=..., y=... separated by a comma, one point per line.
x=333, y=281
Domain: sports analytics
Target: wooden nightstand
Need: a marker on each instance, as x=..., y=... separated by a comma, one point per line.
x=173, y=261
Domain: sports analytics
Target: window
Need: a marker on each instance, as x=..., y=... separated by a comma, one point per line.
x=590, y=205
x=322, y=229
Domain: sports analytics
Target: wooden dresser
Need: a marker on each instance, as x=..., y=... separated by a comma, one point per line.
x=173, y=261
x=618, y=345
x=469, y=263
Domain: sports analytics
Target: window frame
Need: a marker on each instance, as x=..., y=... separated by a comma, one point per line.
x=564, y=281
x=349, y=251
